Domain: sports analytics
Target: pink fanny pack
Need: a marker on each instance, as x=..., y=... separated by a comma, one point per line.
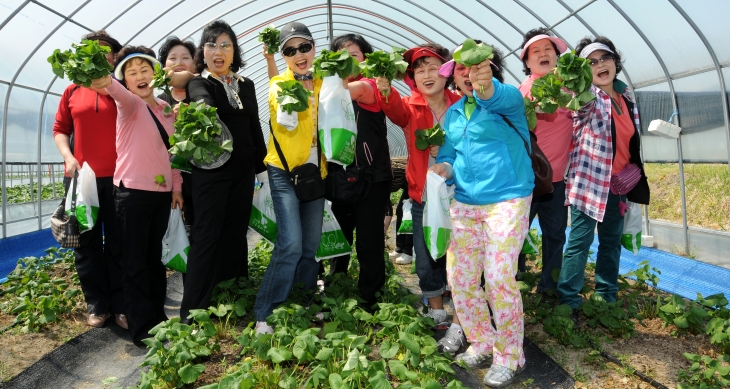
x=625, y=180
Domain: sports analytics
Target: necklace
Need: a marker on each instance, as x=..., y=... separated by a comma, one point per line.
x=441, y=111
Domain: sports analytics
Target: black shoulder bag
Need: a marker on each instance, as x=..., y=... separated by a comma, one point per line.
x=307, y=179
x=540, y=164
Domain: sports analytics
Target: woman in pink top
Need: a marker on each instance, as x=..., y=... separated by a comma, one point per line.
x=143, y=183
x=540, y=51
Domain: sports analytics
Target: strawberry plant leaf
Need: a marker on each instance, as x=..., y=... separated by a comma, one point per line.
x=270, y=37
x=189, y=373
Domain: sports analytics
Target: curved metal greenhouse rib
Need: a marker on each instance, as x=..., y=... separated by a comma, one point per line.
x=385, y=23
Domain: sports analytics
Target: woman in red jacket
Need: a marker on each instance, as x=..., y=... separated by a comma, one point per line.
x=423, y=109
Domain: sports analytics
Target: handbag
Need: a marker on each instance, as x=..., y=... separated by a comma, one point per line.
x=346, y=185
x=625, y=180
x=540, y=164
x=65, y=227
x=307, y=179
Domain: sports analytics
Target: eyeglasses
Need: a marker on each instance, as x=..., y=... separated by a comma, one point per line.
x=225, y=46
x=604, y=58
x=303, y=48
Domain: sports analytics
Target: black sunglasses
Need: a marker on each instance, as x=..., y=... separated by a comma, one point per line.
x=303, y=48
x=604, y=58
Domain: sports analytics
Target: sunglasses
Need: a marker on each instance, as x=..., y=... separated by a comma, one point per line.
x=303, y=48
x=604, y=58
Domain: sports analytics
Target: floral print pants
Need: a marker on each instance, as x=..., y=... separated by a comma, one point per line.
x=487, y=239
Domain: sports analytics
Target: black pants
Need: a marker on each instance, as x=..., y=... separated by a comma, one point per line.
x=98, y=260
x=187, y=192
x=367, y=217
x=219, y=251
x=141, y=222
x=403, y=242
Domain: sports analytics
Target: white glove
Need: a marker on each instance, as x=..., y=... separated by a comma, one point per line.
x=288, y=121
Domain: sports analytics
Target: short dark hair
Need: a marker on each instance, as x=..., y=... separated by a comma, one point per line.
x=497, y=60
x=438, y=49
x=529, y=35
x=602, y=39
x=128, y=50
x=341, y=41
x=210, y=34
x=171, y=42
x=103, y=35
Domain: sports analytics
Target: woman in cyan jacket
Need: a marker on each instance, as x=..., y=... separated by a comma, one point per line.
x=485, y=155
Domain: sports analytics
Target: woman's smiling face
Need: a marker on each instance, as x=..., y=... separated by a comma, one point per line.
x=299, y=62
x=541, y=57
x=137, y=75
x=604, y=71
x=427, y=78
x=180, y=55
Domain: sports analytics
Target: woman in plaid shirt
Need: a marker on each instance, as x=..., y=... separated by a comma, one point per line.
x=606, y=140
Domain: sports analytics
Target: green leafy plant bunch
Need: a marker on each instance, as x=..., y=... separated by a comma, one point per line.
x=270, y=37
x=705, y=372
x=335, y=63
x=161, y=80
x=196, y=131
x=472, y=53
x=431, y=136
x=549, y=91
x=383, y=64
x=86, y=62
x=39, y=290
x=292, y=96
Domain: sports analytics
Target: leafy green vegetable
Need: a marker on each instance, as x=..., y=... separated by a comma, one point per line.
x=549, y=91
x=430, y=136
x=335, y=63
x=382, y=64
x=293, y=96
x=196, y=131
x=86, y=62
x=398, y=50
x=161, y=80
x=473, y=53
x=270, y=37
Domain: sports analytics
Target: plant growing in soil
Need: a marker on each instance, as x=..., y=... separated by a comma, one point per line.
x=686, y=316
x=705, y=372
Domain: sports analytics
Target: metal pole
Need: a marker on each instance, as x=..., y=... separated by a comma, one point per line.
x=330, y=30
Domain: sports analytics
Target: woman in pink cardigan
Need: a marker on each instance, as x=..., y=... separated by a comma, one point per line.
x=144, y=186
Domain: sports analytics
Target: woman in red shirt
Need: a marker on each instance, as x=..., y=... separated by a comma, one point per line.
x=425, y=107
x=89, y=115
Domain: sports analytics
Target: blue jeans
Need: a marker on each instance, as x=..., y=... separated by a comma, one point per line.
x=431, y=274
x=299, y=230
x=553, y=218
x=572, y=274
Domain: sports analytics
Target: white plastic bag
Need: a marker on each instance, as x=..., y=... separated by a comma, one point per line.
x=406, y=223
x=336, y=118
x=263, y=218
x=436, y=218
x=175, y=243
x=631, y=237
x=333, y=242
x=87, y=199
x=287, y=120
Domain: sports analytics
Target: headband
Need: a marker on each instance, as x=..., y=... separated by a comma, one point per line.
x=559, y=43
x=119, y=75
x=595, y=46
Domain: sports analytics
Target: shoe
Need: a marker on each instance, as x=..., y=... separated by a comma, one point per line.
x=472, y=358
x=404, y=259
x=452, y=341
x=121, y=320
x=500, y=376
x=263, y=328
x=439, y=317
x=97, y=321
x=393, y=254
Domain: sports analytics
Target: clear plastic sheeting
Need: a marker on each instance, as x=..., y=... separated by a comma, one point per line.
x=676, y=54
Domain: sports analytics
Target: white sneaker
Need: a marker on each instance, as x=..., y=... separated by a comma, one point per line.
x=439, y=317
x=472, y=358
x=263, y=328
x=393, y=254
x=500, y=376
x=453, y=340
x=404, y=259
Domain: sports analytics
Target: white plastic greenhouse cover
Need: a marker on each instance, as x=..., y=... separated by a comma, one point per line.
x=676, y=53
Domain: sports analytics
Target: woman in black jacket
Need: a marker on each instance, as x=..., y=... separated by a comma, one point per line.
x=222, y=194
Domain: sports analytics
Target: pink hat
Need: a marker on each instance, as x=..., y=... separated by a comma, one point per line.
x=559, y=43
